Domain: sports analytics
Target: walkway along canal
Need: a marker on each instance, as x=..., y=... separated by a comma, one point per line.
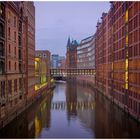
x=72, y=110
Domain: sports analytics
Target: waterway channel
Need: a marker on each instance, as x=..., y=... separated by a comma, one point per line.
x=103, y=120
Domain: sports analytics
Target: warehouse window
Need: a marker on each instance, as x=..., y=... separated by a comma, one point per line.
x=14, y=21
x=15, y=85
x=15, y=66
x=9, y=32
x=9, y=48
x=9, y=86
x=1, y=67
x=1, y=49
x=1, y=30
x=126, y=16
x=2, y=88
x=20, y=83
x=15, y=36
x=9, y=65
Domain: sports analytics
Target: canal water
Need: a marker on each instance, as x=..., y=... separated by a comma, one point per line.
x=103, y=120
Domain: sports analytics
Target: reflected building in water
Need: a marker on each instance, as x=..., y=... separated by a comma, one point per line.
x=30, y=122
x=43, y=115
x=84, y=93
x=110, y=121
x=71, y=97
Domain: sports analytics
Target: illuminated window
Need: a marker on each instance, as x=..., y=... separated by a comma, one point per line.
x=126, y=74
x=126, y=64
x=126, y=80
x=43, y=79
x=126, y=40
x=126, y=16
x=36, y=63
x=112, y=66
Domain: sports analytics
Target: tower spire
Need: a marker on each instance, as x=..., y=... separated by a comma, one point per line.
x=68, y=43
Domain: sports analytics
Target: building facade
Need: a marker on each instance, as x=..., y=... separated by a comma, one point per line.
x=61, y=62
x=86, y=53
x=42, y=69
x=57, y=61
x=71, y=54
x=29, y=11
x=14, y=52
x=117, y=55
x=54, y=61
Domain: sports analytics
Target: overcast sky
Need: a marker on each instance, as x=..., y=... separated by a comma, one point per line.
x=55, y=21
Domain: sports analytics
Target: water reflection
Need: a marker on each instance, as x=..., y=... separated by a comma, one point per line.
x=42, y=117
x=112, y=122
x=104, y=120
x=31, y=121
x=71, y=97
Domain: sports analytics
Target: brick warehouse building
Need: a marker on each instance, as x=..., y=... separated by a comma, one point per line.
x=29, y=11
x=118, y=55
x=16, y=57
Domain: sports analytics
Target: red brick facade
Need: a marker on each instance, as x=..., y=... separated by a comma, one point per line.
x=71, y=54
x=16, y=57
x=118, y=55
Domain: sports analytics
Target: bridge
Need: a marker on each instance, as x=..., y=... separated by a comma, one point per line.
x=83, y=105
x=64, y=105
x=70, y=72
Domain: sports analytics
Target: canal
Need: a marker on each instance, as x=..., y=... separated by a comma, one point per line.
x=42, y=120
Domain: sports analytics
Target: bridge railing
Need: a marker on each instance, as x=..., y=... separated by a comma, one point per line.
x=83, y=105
x=71, y=72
